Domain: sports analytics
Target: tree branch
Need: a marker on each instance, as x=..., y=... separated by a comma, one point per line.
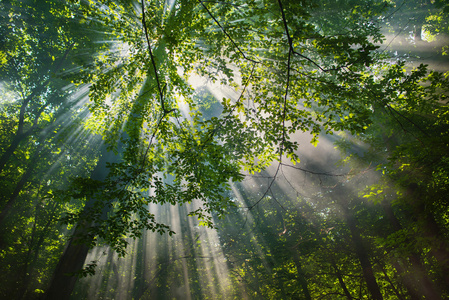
x=315, y=173
x=227, y=35
x=153, y=62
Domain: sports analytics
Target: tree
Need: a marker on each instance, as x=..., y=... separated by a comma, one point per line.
x=407, y=146
x=307, y=71
x=414, y=17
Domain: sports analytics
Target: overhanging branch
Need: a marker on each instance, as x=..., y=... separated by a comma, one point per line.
x=153, y=62
x=227, y=35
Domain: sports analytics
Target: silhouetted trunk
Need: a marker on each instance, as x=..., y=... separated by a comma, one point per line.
x=19, y=186
x=362, y=255
x=102, y=292
x=417, y=33
x=72, y=261
x=340, y=279
x=342, y=196
x=74, y=256
x=20, y=134
x=141, y=266
x=159, y=290
x=34, y=249
x=393, y=287
x=301, y=277
x=415, y=280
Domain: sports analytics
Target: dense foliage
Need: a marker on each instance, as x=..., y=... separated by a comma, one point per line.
x=120, y=119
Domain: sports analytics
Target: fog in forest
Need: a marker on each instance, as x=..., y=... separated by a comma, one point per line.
x=224, y=149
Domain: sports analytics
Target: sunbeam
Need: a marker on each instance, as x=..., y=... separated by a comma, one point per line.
x=224, y=150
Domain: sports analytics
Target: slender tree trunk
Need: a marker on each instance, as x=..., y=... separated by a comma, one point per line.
x=19, y=186
x=342, y=195
x=141, y=266
x=35, y=250
x=74, y=256
x=415, y=280
x=361, y=253
x=71, y=261
x=20, y=135
x=418, y=33
x=112, y=279
x=301, y=276
x=367, y=269
x=340, y=279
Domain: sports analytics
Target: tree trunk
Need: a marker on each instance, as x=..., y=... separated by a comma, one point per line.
x=415, y=280
x=362, y=255
x=340, y=279
x=74, y=256
x=417, y=33
x=19, y=186
x=71, y=261
x=20, y=135
x=301, y=276
x=141, y=265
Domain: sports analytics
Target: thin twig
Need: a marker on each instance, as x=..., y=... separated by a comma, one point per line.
x=227, y=35
x=315, y=173
x=152, y=57
x=266, y=191
x=211, y=134
x=281, y=148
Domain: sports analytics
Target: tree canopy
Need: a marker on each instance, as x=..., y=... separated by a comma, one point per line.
x=111, y=108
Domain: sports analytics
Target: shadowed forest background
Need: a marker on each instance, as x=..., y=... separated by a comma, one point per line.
x=287, y=149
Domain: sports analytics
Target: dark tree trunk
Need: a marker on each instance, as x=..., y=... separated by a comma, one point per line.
x=20, y=135
x=415, y=280
x=417, y=33
x=74, y=256
x=301, y=276
x=71, y=261
x=361, y=253
x=19, y=186
x=141, y=266
x=340, y=279
x=367, y=269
